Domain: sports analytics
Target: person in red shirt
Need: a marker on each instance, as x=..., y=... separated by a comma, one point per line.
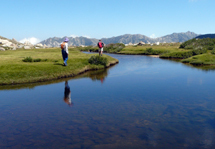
x=100, y=45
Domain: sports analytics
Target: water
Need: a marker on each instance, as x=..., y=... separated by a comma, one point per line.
x=142, y=102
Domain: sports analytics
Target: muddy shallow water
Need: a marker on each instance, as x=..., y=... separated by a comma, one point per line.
x=142, y=102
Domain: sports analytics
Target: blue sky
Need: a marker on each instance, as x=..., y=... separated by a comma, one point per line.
x=40, y=19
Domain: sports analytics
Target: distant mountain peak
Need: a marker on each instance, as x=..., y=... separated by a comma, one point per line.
x=126, y=38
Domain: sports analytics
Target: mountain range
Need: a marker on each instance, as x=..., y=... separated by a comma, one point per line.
x=126, y=39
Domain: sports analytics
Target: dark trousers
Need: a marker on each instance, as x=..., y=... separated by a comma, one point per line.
x=65, y=57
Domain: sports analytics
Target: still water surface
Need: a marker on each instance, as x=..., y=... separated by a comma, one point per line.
x=142, y=102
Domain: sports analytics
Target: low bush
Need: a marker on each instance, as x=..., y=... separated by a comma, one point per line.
x=37, y=60
x=98, y=60
x=149, y=50
x=189, y=47
x=210, y=48
x=114, y=47
x=199, y=50
x=27, y=59
x=213, y=51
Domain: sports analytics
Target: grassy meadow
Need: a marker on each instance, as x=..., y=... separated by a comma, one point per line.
x=14, y=71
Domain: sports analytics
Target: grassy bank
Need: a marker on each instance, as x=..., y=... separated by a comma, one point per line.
x=151, y=50
x=194, y=56
x=94, y=75
x=203, y=59
x=47, y=65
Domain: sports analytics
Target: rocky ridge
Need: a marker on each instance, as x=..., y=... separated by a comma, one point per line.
x=8, y=44
x=126, y=39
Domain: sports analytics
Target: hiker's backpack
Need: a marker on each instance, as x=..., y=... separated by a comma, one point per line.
x=100, y=45
x=62, y=45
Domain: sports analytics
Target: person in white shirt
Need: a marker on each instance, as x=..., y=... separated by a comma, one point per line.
x=65, y=51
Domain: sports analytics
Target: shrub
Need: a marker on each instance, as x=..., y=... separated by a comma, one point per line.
x=199, y=50
x=149, y=50
x=210, y=48
x=37, y=60
x=185, y=44
x=213, y=51
x=98, y=60
x=189, y=47
x=114, y=47
x=27, y=59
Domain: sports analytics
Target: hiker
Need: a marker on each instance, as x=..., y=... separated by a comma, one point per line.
x=65, y=52
x=100, y=45
x=67, y=94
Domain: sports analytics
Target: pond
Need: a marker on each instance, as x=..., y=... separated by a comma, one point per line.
x=142, y=102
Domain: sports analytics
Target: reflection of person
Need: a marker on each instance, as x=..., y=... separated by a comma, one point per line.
x=100, y=45
x=65, y=51
x=102, y=80
x=67, y=94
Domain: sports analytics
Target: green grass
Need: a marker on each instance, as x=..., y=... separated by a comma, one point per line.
x=14, y=71
x=203, y=59
x=156, y=49
x=191, y=56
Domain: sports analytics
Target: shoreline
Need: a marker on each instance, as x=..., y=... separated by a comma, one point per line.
x=174, y=58
x=63, y=76
x=15, y=71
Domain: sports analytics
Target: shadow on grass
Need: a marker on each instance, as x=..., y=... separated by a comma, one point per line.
x=58, y=64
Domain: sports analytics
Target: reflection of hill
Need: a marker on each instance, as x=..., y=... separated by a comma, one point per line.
x=94, y=75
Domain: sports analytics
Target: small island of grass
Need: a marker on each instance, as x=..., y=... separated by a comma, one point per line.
x=39, y=65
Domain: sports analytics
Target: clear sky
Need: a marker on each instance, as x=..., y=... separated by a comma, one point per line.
x=40, y=19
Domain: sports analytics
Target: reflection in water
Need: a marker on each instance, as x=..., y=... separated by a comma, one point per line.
x=98, y=75
x=67, y=94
